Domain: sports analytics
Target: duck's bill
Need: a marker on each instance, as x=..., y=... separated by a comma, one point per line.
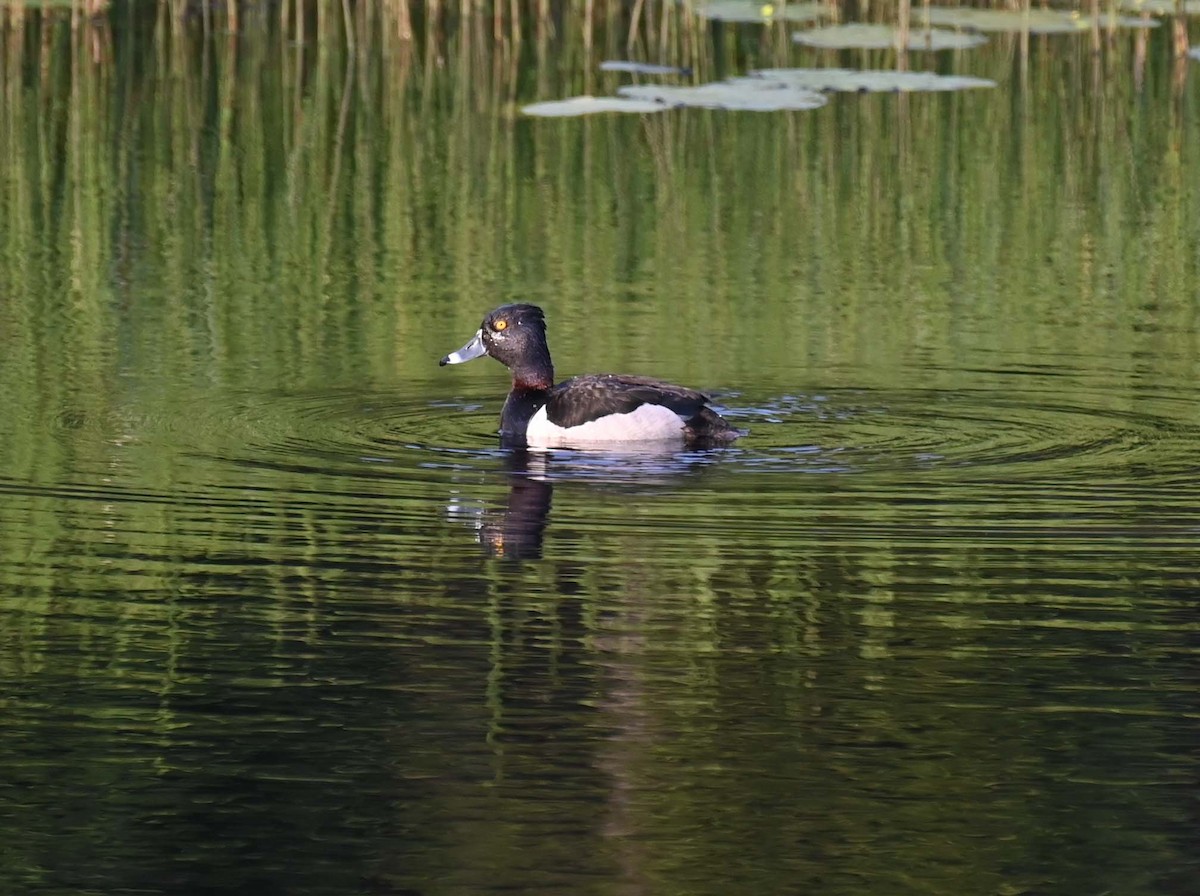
x=468, y=352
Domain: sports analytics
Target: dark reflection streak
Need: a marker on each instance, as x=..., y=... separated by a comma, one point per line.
x=108, y=494
x=361, y=471
x=635, y=731
x=516, y=533
x=113, y=495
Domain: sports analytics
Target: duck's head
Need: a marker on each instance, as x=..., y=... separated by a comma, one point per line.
x=515, y=335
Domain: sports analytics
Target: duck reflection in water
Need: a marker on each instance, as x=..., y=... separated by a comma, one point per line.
x=516, y=530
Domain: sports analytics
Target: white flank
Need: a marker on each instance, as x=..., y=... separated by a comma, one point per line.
x=650, y=422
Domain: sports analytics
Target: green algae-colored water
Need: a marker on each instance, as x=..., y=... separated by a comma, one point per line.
x=277, y=615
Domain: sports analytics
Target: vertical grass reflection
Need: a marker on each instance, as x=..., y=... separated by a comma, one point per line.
x=218, y=185
x=318, y=200
x=314, y=201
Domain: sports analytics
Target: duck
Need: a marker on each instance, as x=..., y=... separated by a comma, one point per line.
x=593, y=410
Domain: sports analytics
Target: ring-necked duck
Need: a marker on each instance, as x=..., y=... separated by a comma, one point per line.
x=586, y=410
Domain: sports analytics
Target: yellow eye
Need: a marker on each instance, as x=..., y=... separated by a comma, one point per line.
x=501, y=324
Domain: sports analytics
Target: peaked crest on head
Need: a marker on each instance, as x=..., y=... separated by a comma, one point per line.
x=518, y=313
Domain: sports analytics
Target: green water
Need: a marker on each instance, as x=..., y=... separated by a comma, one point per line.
x=277, y=615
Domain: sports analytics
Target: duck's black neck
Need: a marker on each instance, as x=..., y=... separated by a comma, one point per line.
x=532, y=380
x=519, y=407
x=535, y=373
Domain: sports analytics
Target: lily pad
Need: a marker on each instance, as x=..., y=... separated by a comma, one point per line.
x=642, y=68
x=749, y=11
x=739, y=94
x=1035, y=21
x=1111, y=20
x=590, y=105
x=885, y=37
x=1161, y=7
x=854, y=81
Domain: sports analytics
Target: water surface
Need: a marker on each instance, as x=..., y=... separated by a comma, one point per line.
x=278, y=615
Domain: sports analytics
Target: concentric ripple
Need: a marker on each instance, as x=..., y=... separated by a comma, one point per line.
x=847, y=431
x=866, y=431
x=246, y=461
x=348, y=431
x=356, y=436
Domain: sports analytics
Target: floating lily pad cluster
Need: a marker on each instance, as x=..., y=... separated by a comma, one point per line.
x=1035, y=21
x=767, y=90
x=773, y=90
x=744, y=94
x=885, y=37
x=779, y=11
x=591, y=105
x=736, y=94
x=932, y=28
x=845, y=80
x=642, y=68
x=1161, y=7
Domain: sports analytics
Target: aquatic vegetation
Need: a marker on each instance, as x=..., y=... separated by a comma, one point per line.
x=1035, y=21
x=642, y=68
x=852, y=81
x=885, y=37
x=1161, y=7
x=736, y=94
x=745, y=94
x=749, y=11
x=590, y=105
